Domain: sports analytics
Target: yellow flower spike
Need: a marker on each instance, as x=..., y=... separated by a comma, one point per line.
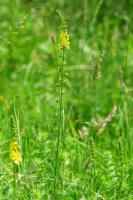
x=64, y=40
x=14, y=152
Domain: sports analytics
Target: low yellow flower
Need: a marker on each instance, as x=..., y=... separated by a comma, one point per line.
x=64, y=40
x=14, y=152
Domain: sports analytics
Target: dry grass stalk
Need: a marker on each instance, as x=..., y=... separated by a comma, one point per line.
x=83, y=198
x=84, y=132
x=102, y=123
x=107, y=120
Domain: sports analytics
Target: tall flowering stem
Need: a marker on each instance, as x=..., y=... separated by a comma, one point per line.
x=61, y=108
x=63, y=44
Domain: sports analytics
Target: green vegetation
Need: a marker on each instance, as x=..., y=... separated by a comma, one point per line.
x=66, y=114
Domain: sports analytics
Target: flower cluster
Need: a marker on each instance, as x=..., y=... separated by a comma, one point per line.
x=64, y=36
x=14, y=152
x=64, y=40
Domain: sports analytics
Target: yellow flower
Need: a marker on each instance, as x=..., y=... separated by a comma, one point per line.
x=64, y=40
x=14, y=152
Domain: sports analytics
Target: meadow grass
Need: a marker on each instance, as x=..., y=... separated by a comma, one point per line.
x=66, y=98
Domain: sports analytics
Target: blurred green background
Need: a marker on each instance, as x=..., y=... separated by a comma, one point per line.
x=28, y=77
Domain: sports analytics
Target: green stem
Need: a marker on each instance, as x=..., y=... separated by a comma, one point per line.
x=94, y=175
x=14, y=182
x=60, y=123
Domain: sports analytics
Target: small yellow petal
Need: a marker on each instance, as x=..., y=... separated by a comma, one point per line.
x=64, y=40
x=14, y=152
